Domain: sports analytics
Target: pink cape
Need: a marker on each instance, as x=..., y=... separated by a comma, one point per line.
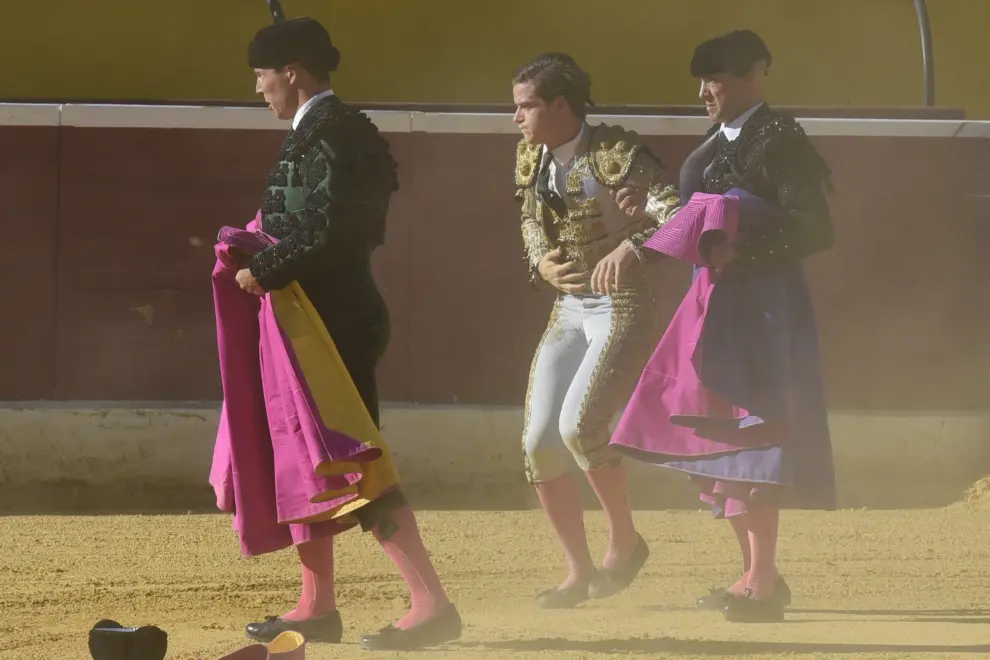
x=277, y=465
x=671, y=412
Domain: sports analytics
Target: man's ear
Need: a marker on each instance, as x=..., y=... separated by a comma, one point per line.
x=759, y=70
x=291, y=73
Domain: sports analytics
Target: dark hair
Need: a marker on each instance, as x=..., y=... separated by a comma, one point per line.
x=557, y=74
x=734, y=53
x=301, y=41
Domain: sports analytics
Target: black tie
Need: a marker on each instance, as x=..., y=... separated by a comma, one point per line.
x=553, y=200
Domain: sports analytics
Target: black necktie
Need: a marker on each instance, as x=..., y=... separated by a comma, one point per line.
x=553, y=200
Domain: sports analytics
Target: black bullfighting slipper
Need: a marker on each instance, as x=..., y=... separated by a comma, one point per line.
x=718, y=598
x=562, y=598
x=108, y=640
x=445, y=627
x=750, y=610
x=613, y=580
x=328, y=629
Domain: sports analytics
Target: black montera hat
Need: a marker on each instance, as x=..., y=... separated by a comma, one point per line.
x=302, y=40
x=734, y=53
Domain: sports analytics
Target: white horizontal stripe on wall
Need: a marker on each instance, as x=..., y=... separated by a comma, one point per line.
x=245, y=118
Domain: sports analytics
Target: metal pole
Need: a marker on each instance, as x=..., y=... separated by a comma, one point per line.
x=275, y=7
x=927, y=57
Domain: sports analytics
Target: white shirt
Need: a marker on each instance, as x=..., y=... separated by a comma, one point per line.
x=561, y=158
x=304, y=108
x=732, y=129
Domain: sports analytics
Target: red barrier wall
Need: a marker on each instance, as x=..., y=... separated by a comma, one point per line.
x=28, y=219
x=108, y=252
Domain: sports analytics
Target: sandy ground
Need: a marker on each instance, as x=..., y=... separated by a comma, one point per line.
x=867, y=584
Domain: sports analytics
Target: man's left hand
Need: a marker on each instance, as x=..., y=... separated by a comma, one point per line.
x=247, y=282
x=608, y=273
x=720, y=256
x=632, y=201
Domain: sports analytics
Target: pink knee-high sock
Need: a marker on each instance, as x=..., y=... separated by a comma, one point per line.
x=740, y=525
x=318, y=598
x=612, y=488
x=561, y=500
x=763, y=524
x=405, y=548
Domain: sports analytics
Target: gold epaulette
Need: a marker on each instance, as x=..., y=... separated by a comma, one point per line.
x=613, y=150
x=527, y=163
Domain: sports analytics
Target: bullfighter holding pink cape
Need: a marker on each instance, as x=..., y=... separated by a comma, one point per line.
x=301, y=326
x=733, y=395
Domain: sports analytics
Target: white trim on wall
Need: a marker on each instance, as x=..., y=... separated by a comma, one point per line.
x=85, y=115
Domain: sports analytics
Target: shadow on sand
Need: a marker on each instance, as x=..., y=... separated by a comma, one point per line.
x=672, y=646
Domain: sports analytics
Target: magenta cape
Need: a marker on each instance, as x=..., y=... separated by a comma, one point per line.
x=733, y=393
x=296, y=452
x=672, y=411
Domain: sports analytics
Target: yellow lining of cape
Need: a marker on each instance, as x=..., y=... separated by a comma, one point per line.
x=337, y=400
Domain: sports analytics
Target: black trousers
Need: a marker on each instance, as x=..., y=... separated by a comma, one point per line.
x=358, y=322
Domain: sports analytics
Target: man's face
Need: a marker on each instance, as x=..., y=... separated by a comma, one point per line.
x=534, y=116
x=278, y=88
x=722, y=94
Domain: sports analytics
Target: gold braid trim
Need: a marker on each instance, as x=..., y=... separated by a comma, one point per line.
x=662, y=203
x=527, y=163
x=535, y=241
x=613, y=150
x=527, y=406
x=632, y=338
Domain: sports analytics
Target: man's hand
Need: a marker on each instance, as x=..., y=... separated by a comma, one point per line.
x=720, y=255
x=632, y=201
x=247, y=282
x=562, y=276
x=609, y=271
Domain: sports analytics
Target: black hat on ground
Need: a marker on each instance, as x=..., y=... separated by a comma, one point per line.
x=108, y=640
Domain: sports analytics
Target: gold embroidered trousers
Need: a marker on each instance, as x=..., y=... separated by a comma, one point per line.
x=584, y=371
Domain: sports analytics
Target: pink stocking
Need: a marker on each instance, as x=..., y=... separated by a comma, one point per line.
x=740, y=525
x=612, y=488
x=561, y=500
x=318, y=598
x=764, y=522
x=405, y=548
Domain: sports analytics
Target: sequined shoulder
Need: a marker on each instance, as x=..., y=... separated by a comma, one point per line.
x=613, y=150
x=527, y=163
x=775, y=126
x=780, y=144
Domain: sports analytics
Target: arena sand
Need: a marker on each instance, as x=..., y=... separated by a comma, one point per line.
x=867, y=585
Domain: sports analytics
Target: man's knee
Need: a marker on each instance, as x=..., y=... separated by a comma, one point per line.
x=588, y=445
x=572, y=433
x=546, y=457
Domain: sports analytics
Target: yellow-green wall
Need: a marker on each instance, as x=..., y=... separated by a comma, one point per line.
x=829, y=52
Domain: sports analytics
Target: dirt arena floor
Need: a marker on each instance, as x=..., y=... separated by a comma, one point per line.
x=867, y=585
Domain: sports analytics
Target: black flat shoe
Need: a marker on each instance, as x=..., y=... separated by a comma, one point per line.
x=613, y=580
x=328, y=629
x=445, y=627
x=714, y=600
x=749, y=610
x=562, y=599
x=108, y=640
x=719, y=598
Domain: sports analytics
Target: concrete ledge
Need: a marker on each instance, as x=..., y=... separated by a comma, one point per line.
x=449, y=457
x=211, y=117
